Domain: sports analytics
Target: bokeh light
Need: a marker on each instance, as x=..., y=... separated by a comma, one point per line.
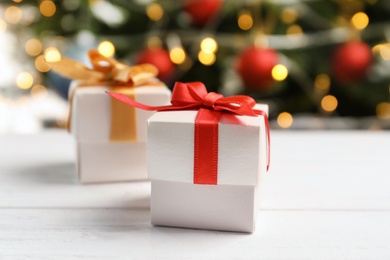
x=41, y=64
x=206, y=58
x=279, y=72
x=154, y=11
x=13, y=14
x=24, y=80
x=383, y=110
x=245, y=21
x=322, y=82
x=360, y=20
x=3, y=26
x=209, y=45
x=52, y=54
x=289, y=15
x=329, y=103
x=177, y=55
x=285, y=120
x=33, y=47
x=38, y=91
x=106, y=49
x=47, y=8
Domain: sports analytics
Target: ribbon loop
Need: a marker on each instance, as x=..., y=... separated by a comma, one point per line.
x=210, y=98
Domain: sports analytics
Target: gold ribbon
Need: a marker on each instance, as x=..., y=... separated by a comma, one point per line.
x=121, y=78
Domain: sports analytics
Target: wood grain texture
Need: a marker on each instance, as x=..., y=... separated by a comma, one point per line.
x=326, y=196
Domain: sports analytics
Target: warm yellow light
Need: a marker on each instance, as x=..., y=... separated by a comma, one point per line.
x=154, y=42
x=245, y=21
x=383, y=110
x=52, y=54
x=322, y=82
x=33, y=47
x=3, y=26
x=384, y=51
x=294, y=29
x=106, y=49
x=376, y=48
x=177, y=55
x=38, y=91
x=24, y=80
x=279, y=72
x=329, y=103
x=209, y=45
x=47, y=8
x=154, y=11
x=17, y=1
x=285, y=120
x=289, y=15
x=13, y=14
x=206, y=58
x=360, y=20
x=41, y=64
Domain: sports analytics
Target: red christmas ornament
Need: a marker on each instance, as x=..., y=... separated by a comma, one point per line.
x=160, y=59
x=201, y=11
x=351, y=61
x=255, y=67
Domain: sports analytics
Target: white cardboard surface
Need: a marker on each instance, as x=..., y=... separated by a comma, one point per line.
x=111, y=162
x=222, y=207
x=91, y=111
x=176, y=201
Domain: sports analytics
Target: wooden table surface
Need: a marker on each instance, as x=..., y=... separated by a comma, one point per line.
x=326, y=196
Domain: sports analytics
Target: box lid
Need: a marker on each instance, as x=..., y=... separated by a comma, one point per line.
x=91, y=111
x=241, y=147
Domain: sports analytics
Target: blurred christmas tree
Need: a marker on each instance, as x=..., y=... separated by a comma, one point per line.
x=316, y=57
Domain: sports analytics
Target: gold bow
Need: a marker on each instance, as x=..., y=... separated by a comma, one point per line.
x=120, y=77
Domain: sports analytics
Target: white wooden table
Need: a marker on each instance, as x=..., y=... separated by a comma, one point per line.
x=326, y=196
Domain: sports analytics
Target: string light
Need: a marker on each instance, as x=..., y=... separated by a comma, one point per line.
x=279, y=72
x=383, y=110
x=329, y=103
x=33, y=47
x=294, y=29
x=24, y=80
x=52, y=54
x=245, y=21
x=106, y=49
x=360, y=20
x=285, y=120
x=38, y=91
x=3, y=26
x=384, y=51
x=206, y=58
x=47, y=8
x=154, y=42
x=177, y=55
x=322, y=82
x=289, y=15
x=209, y=45
x=13, y=14
x=41, y=64
x=154, y=11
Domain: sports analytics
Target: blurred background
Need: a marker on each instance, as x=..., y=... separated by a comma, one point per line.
x=319, y=64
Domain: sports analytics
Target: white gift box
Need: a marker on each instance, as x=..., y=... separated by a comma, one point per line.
x=231, y=205
x=99, y=159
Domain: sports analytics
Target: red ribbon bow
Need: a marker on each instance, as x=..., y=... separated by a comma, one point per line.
x=194, y=96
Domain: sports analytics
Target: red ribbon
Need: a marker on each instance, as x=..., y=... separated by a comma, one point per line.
x=194, y=96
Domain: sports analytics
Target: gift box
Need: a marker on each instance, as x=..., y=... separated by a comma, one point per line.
x=100, y=156
x=110, y=136
x=206, y=159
